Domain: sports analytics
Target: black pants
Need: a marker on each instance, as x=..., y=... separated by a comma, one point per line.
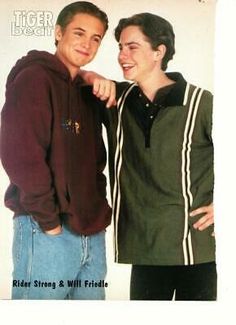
x=194, y=282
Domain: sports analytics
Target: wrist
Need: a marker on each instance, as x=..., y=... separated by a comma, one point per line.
x=55, y=231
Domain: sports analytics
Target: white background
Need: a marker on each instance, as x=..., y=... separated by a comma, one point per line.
x=193, y=22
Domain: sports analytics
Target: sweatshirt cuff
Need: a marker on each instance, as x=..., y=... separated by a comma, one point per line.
x=48, y=225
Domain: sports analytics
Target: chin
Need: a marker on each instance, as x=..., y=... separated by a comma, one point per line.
x=128, y=77
x=81, y=61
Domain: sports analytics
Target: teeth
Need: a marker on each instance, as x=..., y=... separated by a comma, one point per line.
x=127, y=65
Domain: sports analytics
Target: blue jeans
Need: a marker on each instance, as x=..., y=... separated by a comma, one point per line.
x=64, y=266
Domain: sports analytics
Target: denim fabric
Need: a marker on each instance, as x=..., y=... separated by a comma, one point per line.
x=64, y=266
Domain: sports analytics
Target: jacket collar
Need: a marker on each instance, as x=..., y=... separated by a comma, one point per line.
x=172, y=95
x=176, y=95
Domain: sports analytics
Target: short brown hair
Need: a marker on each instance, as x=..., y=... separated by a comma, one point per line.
x=83, y=7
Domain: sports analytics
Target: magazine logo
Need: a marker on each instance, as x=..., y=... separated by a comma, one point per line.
x=32, y=23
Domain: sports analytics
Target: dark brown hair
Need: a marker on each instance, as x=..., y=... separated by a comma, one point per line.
x=157, y=30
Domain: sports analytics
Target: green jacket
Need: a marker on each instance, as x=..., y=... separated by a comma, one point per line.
x=155, y=188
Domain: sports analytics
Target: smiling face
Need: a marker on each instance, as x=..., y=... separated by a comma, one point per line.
x=136, y=57
x=79, y=42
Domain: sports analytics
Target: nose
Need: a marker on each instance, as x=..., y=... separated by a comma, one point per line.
x=123, y=54
x=86, y=43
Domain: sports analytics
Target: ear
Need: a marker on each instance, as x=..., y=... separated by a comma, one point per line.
x=160, y=52
x=58, y=32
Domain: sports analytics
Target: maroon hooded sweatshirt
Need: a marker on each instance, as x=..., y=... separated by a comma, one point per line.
x=52, y=147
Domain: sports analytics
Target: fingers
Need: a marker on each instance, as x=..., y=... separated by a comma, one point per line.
x=201, y=210
x=204, y=223
x=96, y=86
x=112, y=96
x=101, y=88
x=206, y=220
x=105, y=90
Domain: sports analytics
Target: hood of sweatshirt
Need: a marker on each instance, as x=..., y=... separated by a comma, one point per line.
x=45, y=59
x=53, y=63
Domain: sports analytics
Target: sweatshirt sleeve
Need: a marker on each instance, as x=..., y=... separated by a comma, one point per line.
x=25, y=144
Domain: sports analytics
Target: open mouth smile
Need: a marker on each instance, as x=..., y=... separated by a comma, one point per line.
x=127, y=66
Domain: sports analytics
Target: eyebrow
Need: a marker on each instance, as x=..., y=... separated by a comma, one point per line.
x=130, y=43
x=83, y=30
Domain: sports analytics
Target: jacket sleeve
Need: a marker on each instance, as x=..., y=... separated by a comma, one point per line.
x=207, y=104
x=25, y=144
x=101, y=164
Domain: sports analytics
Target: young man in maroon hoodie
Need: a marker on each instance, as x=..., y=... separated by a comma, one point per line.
x=53, y=153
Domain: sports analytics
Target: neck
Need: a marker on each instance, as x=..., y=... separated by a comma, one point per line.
x=73, y=71
x=152, y=84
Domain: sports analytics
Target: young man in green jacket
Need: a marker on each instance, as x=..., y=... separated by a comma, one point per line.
x=161, y=169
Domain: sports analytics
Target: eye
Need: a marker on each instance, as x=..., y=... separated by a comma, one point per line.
x=133, y=47
x=97, y=39
x=79, y=34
